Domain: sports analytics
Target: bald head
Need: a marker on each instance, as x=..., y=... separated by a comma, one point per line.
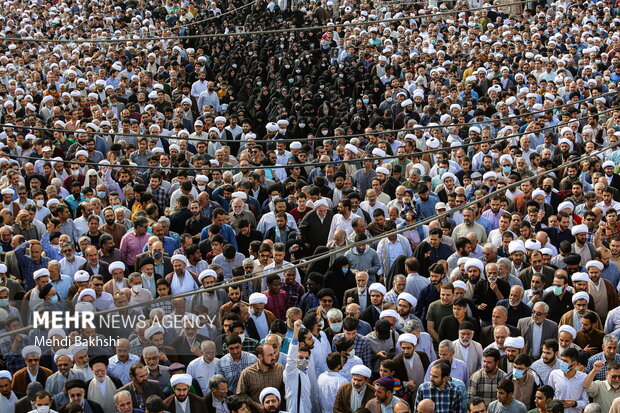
x=426, y=406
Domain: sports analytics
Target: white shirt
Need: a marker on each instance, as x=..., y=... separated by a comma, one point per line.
x=268, y=221
x=202, y=372
x=569, y=389
x=338, y=222
x=345, y=372
x=329, y=382
x=365, y=205
x=261, y=324
x=295, y=381
x=71, y=268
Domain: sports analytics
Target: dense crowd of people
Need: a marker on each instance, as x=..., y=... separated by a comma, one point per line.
x=310, y=207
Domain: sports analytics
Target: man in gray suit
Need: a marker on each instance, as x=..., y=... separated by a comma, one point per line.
x=536, y=329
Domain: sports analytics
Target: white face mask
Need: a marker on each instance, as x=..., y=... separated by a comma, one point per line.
x=242, y=337
x=136, y=288
x=43, y=409
x=40, y=203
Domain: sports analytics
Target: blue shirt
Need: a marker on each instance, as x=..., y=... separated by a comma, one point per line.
x=120, y=370
x=427, y=208
x=226, y=231
x=62, y=286
x=170, y=245
x=441, y=253
x=612, y=274
x=448, y=400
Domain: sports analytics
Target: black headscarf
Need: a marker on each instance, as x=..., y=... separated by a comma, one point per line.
x=397, y=268
x=320, y=266
x=420, y=253
x=338, y=281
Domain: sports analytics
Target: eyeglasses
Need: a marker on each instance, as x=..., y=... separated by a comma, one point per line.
x=537, y=313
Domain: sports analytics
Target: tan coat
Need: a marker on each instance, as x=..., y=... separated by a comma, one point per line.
x=343, y=398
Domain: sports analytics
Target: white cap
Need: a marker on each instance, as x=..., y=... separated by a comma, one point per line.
x=383, y=170
x=474, y=262
x=388, y=313
x=258, y=298
x=515, y=246
x=532, y=245
x=459, y=284
x=608, y=163
x=4, y=374
x=85, y=292
x=566, y=205
x=7, y=191
x=379, y=152
x=81, y=276
x=296, y=145
x=352, y=148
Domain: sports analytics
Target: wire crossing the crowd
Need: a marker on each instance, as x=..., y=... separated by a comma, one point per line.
x=338, y=250
x=315, y=138
x=258, y=32
x=342, y=161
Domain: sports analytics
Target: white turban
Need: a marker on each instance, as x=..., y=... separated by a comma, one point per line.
x=31, y=350
x=408, y=338
x=532, y=245
x=151, y=331
x=474, y=262
x=81, y=276
x=581, y=295
x=43, y=272
x=179, y=257
x=352, y=148
x=258, y=298
x=377, y=287
x=269, y=391
x=409, y=298
x=181, y=379
x=566, y=205
x=388, y=313
x=580, y=277
x=116, y=265
x=207, y=273
x=608, y=163
x=87, y=291
x=568, y=329
x=62, y=352
x=514, y=342
x=459, y=284
x=596, y=264
x=4, y=374
x=361, y=370
x=515, y=246
x=579, y=229
x=537, y=192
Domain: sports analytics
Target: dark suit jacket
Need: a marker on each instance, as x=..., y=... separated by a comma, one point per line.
x=184, y=353
x=313, y=232
x=94, y=407
x=24, y=405
x=209, y=402
x=149, y=388
x=353, y=294
x=486, y=334
x=167, y=264
x=370, y=315
x=103, y=270
x=526, y=276
x=549, y=330
x=615, y=183
x=196, y=404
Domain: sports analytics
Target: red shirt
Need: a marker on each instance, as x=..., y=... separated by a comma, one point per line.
x=277, y=304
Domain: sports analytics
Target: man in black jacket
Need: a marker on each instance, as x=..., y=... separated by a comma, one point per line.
x=140, y=387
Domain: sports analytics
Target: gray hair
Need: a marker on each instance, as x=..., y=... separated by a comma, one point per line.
x=447, y=344
x=277, y=336
x=204, y=344
x=610, y=338
x=164, y=220
x=5, y=290
x=150, y=350
x=503, y=327
x=157, y=312
x=544, y=305
x=413, y=325
x=122, y=393
x=334, y=313
x=399, y=277
x=215, y=381
x=501, y=308
x=490, y=246
x=592, y=408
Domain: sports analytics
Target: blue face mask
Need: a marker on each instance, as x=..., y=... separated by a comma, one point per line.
x=558, y=290
x=565, y=367
x=54, y=298
x=4, y=302
x=518, y=374
x=101, y=194
x=506, y=168
x=365, y=101
x=345, y=270
x=442, y=171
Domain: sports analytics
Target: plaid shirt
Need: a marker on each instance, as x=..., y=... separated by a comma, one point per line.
x=230, y=369
x=165, y=305
x=253, y=380
x=361, y=345
x=14, y=360
x=611, y=233
x=28, y=266
x=600, y=356
x=161, y=196
x=249, y=345
x=483, y=386
x=295, y=291
x=446, y=401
